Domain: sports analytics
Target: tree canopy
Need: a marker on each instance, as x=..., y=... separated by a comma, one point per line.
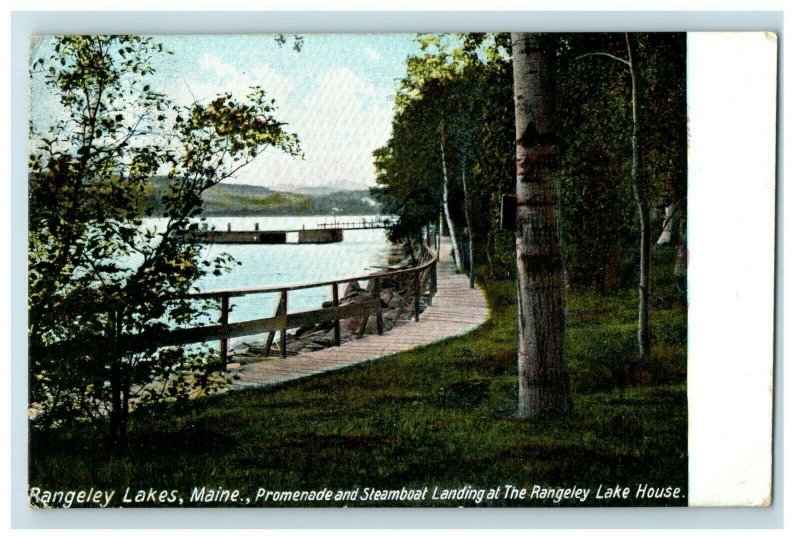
x=456, y=100
x=95, y=271
x=467, y=78
x=619, y=105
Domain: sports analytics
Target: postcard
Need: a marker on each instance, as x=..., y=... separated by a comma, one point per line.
x=399, y=270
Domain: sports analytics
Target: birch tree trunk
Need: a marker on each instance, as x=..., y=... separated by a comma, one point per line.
x=489, y=253
x=668, y=225
x=450, y=225
x=441, y=233
x=469, y=226
x=643, y=207
x=543, y=379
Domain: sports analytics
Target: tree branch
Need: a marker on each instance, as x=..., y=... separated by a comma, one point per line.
x=617, y=58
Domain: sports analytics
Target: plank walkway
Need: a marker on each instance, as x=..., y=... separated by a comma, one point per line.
x=456, y=310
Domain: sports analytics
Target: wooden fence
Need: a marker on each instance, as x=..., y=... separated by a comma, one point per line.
x=282, y=320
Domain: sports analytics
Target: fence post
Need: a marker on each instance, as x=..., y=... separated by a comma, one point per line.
x=337, y=332
x=379, y=315
x=371, y=289
x=434, y=278
x=431, y=281
x=285, y=311
x=417, y=292
x=223, y=320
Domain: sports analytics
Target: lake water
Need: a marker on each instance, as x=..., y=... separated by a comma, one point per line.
x=361, y=252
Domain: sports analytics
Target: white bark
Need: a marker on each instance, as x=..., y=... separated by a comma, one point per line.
x=450, y=225
x=667, y=225
x=640, y=194
x=543, y=380
x=469, y=226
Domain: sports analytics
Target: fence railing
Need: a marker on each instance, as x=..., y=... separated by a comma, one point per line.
x=276, y=325
x=282, y=320
x=384, y=223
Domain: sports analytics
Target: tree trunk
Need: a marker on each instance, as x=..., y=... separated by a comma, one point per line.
x=643, y=209
x=469, y=226
x=115, y=415
x=668, y=225
x=450, y=224
x=117, y=422
x=489, y=253
x=543, y=379
x=410, y=248
x=126, y=398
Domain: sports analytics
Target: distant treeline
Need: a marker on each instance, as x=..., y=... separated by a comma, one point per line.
x=250, y=200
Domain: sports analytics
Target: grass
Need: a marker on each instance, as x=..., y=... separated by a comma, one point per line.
x=442, y=416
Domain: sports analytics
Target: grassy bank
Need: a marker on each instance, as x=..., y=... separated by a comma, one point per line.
x=440, y=416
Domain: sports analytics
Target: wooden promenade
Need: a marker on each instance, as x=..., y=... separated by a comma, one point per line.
x=456, y=310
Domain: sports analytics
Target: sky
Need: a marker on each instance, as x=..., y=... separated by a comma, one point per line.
x=336, y=94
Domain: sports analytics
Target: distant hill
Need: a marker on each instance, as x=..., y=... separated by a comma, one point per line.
x=250, y=200
x=247, y=200
x=323, y=189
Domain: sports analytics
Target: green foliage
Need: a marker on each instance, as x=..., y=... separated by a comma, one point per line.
x=408, y=187
x=457, y=90
x=95, y=273
x=462, y=83
x=598, y=210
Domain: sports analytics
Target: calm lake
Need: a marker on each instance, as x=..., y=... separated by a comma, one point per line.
x=361, y=252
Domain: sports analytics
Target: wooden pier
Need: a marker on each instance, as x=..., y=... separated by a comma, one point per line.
x=323, y=233
x=456, y=310
x=304, y=236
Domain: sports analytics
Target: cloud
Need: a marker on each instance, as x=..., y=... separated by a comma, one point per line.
x=340, y=122
x=340, y=119
x=213, y=63
x=372, y=53
x=215, y=77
